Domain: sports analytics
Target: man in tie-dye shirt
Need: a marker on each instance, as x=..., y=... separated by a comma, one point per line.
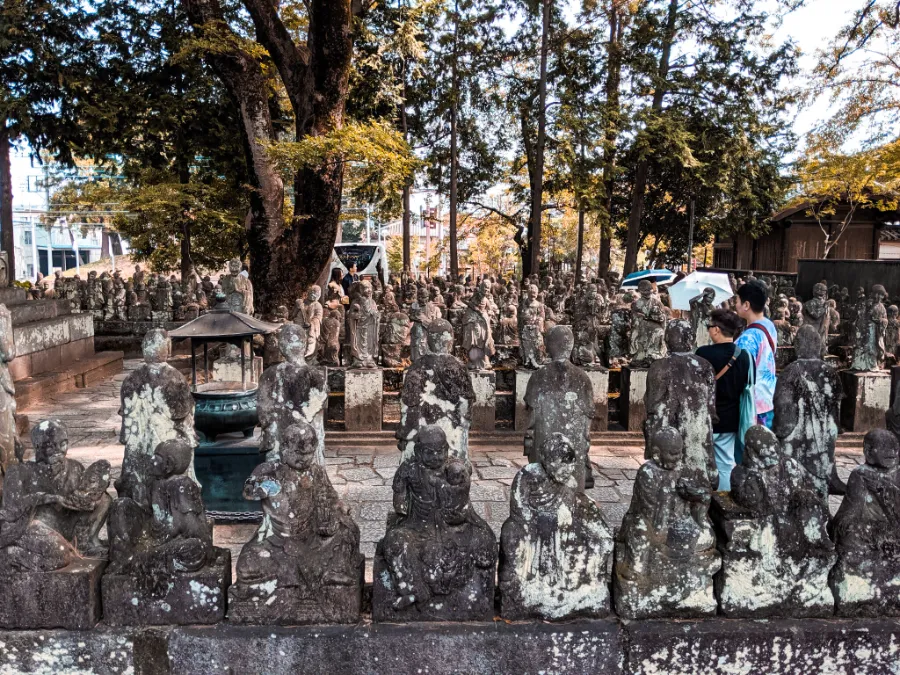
x=760, y=338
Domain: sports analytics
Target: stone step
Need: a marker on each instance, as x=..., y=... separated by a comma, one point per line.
x=38, y=310
x=80, y=373
x=12, y=295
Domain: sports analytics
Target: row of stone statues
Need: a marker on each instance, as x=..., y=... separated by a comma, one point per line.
x=767, y=548
x=146, y=296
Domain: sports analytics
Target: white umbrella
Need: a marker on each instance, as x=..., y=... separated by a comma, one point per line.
x=681, y=294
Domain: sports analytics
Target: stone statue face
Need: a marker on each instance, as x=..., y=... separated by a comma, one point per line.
x=313, y=293
x=170, y=458
x=532, y=292
x=760, y=448
x=709, y=295
x=820, y=291
x=880, y=448
x=50, y=441
x=365, y=289
x=292, y=342
x=234, y=266
x=645, y=288
x=679, y=336
x=558, y=458
x=878, y=293
x=431, y=447
x=893, y=311
x=440, y=338
x=299, y=446
x=668, y=447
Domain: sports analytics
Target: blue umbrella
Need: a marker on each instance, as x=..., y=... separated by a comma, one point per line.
x=661, y=277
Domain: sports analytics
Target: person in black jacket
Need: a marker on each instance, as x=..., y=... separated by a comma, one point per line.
x=732, y=367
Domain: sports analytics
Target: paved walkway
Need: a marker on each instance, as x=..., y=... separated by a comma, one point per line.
x=362, y=474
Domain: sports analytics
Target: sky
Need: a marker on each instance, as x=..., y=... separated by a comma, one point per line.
x=811, y=28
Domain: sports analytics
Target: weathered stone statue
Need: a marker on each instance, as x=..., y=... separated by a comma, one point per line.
x=163, y=304
x=807, y=411
x=163, y=566
x=892, y=334
x=666, y=550
x=237, y=288
x=560, y=398
x=701, y=307
x=395, y=340
x=776, y=554
x=555, y=545
x=619, y=339
x=531, y=328
x=311, y=313
x=508, y=334
x=53, y=508
x=10, y=448
x=866, y=533
x=418, y=332
x=478, y=340
x=331, y=337
x=437, y=559
x=437, y=390
x=587, y=312
x=119, y=302
x=868, y=348
x=362, y=325
x=681, y=393
x=93, y=299
x=157, y=406
x=816, y=314
x=303, y=565
x=289, y=391
x=648, y=327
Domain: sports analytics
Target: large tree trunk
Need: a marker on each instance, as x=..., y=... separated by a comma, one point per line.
x=286, y=260
x=7, y=240
x=407, y=212
x=643, y=167
x=454, y=141
x=611, y=136
x=537, y=193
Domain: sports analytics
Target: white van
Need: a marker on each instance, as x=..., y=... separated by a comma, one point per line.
x=370, y=260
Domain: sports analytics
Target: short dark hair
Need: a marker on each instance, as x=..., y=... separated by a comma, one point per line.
x=755, y=293
x=726, y=321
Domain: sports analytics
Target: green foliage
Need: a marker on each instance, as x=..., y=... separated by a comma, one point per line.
x=380, y=162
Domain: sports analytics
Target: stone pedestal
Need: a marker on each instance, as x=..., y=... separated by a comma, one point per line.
x=895, y=382
x=600, y=383
x=68, y=598
x=484, y=382
x=267, y=603
x=363, y=399
x=189, y=598
x=632, y=411
x=523, y=417
x=866, y=399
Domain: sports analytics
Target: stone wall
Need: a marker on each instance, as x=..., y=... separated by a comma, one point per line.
x=648, y=648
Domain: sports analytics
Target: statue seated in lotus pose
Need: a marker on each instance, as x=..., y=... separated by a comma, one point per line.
x=437, y=558
x=303, y=565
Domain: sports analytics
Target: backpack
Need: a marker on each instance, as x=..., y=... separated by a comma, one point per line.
x=747, y=404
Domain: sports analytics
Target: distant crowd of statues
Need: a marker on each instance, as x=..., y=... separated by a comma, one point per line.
x=767, y=548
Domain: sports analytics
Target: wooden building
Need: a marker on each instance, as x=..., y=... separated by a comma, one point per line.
x=794, y=235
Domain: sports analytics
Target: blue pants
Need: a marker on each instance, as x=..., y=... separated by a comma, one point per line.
x=724, y=451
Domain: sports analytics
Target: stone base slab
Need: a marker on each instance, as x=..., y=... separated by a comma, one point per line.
x=523, y=417
x=600, y=384
x=81, y=373
x=632, y=412
x=866, y=400
x=192, y=598
x=363, y=399
x=484, y=411
x=68, y=598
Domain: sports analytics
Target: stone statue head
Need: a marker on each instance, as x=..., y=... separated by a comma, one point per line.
x=893, y=312
x=808, y=343
x=645, y=288
x=709, y=295
x=292, y=338
x=281, y=313
x=667, y=447
x=50, y=441
x=299, y=445
x=365, y=288
x=558, y=458
x=440, y=336
x=313, y=293
x=760, y=448
x=532, y=292
x=881, y=449
x=820, y=291
x=234, y=266
x=679, y=336
x=560, y=342
x=171, y=458
x=431, y=447
x=155, y=346
x=878, y=293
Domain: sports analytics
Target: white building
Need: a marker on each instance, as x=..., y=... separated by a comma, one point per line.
x=45, y=239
